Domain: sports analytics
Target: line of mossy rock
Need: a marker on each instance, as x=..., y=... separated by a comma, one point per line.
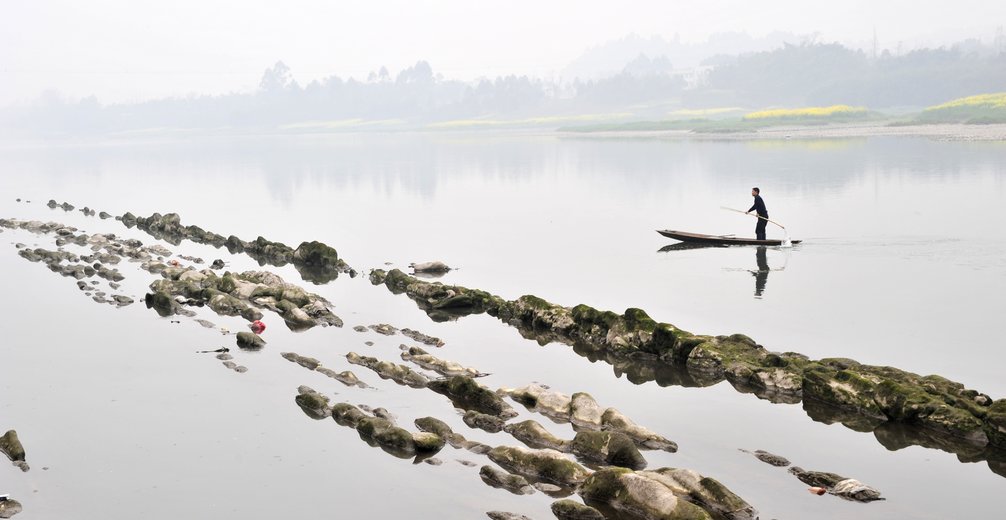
x=315, y=261
x=882, y=393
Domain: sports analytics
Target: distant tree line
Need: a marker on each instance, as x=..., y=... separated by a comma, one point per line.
x=825, y=74
x=793, y=75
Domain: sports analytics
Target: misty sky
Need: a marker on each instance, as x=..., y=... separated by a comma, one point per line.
x=134, y=50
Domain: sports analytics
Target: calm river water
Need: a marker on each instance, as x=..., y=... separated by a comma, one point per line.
x=903, y=264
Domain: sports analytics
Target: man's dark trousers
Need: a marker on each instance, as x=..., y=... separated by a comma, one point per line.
x=760, y=228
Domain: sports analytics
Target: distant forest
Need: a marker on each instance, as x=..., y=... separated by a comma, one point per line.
x=792, y=75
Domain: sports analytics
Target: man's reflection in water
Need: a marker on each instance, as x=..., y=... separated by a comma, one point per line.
x=761, y=275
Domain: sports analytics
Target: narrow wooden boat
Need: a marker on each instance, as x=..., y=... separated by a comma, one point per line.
x=720, y=240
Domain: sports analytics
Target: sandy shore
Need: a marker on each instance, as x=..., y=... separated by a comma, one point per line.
x=941, y=132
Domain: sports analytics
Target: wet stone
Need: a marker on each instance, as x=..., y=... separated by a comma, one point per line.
x=248, y=340
x=384, y=329
x=770, y=458
x=11, y=446
x=422, y=338
x=572, y=510
x=498, y=478
x=481, y=421
x=9, y=508
x=504, y=515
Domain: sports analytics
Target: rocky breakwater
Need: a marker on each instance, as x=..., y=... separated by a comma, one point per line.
x=316, y=262
x=882, y=394
x=237, y=294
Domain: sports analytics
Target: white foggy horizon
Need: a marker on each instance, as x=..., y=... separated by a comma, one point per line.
x=125, y=52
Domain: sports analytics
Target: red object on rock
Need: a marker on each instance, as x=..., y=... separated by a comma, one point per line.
x=817, y=490
x=257, y=327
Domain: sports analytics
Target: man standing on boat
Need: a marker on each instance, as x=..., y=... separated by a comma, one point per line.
x=759, y=206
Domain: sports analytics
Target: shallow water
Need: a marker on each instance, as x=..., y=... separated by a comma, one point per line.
x=902, y=265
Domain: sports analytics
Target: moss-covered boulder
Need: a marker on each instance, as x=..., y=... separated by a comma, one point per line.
x=536, y=436
x=11, y=446
x=314, y=404
x=481, y=421
x=567, y=509
x=613, y=420
x=541, y=399
x=443, y=367
x=549, y=465
x=467, y=394
x=638, y=495
x=384, y=433
x=9, y=508
x=251, y=341
x=433, y=425
x=428, y=442
x=347, y=414
x=836, y=484
x=584, y=411
x=309, y=363
x=996, y=423
x=612, y=448
x=704, y=491
x=400, y=374
x=497, y=478
x=317, y=262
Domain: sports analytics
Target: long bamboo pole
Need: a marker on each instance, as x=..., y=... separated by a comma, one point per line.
x=754, y=215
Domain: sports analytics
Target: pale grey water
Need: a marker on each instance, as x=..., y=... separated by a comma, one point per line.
x=903, y=264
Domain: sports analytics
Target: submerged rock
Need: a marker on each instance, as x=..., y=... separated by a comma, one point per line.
x=772, y=459
x=11, y=446
x=636, y=494
x=612, y=448
x=9, y=508
x=345, y=377
x=422, y=338
x=549, y=465
x=317, y=262
x=430, y=267
x=541, y=399
x=467, y=394
x=400, y=374
x=440, y=366
x=585, y=412
x=536, y=436
x=249, y=340
x=572, y=510
x=314, y=404
x=347, y=414
x=481, y=421
x=497, y=478
x=704, y=491
x=504, y=515
x=838, y=485
x=304, y=361
x=613, y=420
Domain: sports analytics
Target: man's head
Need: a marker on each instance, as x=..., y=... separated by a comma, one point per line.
x=755, y=192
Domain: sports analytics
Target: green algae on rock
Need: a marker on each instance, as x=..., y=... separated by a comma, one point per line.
x=467, y=394
x=883, y=393
x=549, y=465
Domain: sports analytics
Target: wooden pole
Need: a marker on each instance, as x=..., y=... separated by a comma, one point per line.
x=754, y=215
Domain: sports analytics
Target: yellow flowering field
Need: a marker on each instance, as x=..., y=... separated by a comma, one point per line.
x=831, y=112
